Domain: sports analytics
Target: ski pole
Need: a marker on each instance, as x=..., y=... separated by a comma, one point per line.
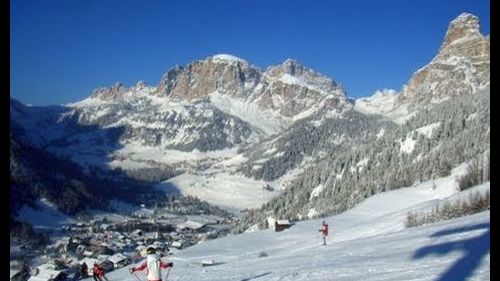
x=167, y=273
x=136, y=276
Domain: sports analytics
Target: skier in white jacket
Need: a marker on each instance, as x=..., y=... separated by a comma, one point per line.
x=153, y=265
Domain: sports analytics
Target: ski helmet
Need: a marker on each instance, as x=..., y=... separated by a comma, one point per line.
x=150, y=250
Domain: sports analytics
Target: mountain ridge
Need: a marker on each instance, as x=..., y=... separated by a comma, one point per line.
x=222, y=118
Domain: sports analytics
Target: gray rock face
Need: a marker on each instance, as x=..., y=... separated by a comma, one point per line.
x=462, y=29
x=462, y=65
x=292, y=89
x=289, y=88
x=222, y=73
x=110, y=93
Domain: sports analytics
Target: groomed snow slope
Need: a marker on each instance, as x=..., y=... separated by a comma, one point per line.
x=368, y=242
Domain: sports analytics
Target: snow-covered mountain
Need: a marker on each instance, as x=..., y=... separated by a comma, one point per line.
x=266, y=101
x=217, y=103
x=197, y=115
x=221, y=128
x=462, y=66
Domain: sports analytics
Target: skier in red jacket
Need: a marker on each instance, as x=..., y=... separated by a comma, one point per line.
x=153, y=265
x=98, y=273
x=324, y=231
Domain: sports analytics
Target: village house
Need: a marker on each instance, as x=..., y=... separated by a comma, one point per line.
x=193, y=226
x=103, y=257
x=119, y=260
x=104, y=226
x=140, y=249
x=159, y=245
x=88, y=253
x=107, y=265
x=177, y=244
x=136, y=233
x=281, y=225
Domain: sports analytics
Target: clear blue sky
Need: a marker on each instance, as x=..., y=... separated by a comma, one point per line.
x=62, y=50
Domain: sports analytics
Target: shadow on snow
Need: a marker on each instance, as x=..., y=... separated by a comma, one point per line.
x=256, y=276
x=474, y=250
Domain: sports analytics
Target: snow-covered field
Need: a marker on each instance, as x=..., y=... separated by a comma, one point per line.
x=232, y=192
x=368, y=242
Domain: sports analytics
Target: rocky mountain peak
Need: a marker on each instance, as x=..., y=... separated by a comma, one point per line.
x=292, y=67
x=461, y=66
x=224, y=73
x=464, y=40
x=109, y=93
x=465, y=27
x=294, y=73
x=289, y=66
x=226, y=58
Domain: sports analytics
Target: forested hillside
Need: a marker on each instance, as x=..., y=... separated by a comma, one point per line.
x=427, y=146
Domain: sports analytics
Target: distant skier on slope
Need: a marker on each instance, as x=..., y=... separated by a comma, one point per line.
x=98, y=273
x=153, y=265
x=84, y=270
x=324, y=231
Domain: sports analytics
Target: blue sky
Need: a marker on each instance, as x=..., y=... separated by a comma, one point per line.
x=62, y=50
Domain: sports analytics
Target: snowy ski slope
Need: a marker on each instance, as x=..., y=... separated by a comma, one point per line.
x=368, y=242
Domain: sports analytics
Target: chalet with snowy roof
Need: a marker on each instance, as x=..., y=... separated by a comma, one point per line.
x=176, y=244
x=88, y=253
x=104, y=249
x=103, y=257
x=119, y=260
x=140, y=248
x=191, y=225
x=281, y=225
x=159, y=245
x=153, y=235
x=136, y=233
x=207, y=262
x=104, y=226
